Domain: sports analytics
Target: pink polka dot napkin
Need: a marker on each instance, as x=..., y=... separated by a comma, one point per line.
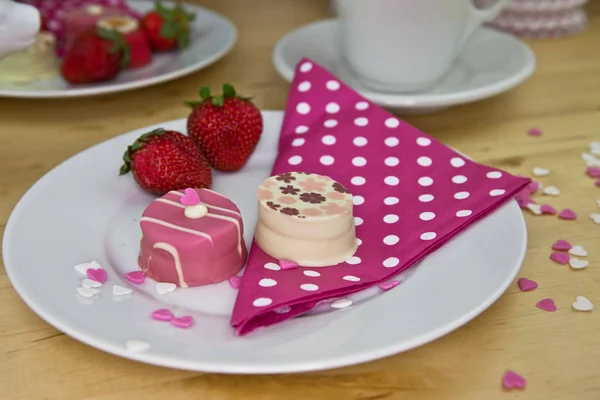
x=412, y=194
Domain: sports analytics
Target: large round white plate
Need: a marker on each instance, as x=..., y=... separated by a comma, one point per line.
x=491, y=63
x=212, y=37
x=82, y=210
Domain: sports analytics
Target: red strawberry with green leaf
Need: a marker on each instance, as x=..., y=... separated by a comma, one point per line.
x=225, y=127
x=96, y=55
x=167, y=28
x=162, y=161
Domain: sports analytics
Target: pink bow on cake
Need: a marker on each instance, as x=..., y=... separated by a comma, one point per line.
x=411, y=195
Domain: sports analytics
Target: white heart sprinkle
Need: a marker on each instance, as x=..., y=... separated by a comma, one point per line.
x=165, y=287
x=341, y=303
x=551, y=191
x=88, y=283
x=582, y=303
x=137, y=346
x=535, y=208
x=577, y=263
x=578, y=251
x=539, y=171
x=595, y=218
x=83, y=267
x=590, y=160
x=87, y=292
x=119, y=290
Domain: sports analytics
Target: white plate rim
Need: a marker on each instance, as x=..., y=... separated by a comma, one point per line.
x=140, y=83
x=415, y=101
x=337, y=362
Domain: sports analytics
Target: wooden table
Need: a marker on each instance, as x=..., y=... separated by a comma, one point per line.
x=558, y=353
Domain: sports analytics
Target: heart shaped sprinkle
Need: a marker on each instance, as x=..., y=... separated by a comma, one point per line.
x=88, y=283
x=183, y=322
x=595, y=218
x=535, y=208
x=190, y=198
x=561, y=258
x=136, y=346
x=165, y=287
x=136, y=277
x=512, y=380
x=523, y=200
x=163, y=314
x=119, y=290
x=582, y=303
x=527, y=285
x=87, y=292
x=551, y=191
x=578, y=251
x=235, y=281
x=287, y=264
x=389, y=284
x=548, y=209
x=561, y=245
x=534, y=132
x=341, y=303
x=532, y=187
x=539, y=171
x=576, y=263
x=590, y=160
x=196, y=211
x=97, y=274
x=594, y=172
x=82, y=268
x=567, y=213
x=546, y=305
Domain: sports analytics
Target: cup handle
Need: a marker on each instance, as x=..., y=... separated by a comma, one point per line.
x=481, y=16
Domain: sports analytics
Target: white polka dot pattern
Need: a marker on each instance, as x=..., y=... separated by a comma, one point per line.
x=410, y=193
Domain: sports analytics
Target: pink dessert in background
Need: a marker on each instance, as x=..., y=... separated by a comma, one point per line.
x=85, y=18
x=192, y=245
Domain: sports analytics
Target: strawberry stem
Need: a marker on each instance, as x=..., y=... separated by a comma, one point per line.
x=176, y=23
x=119, y=44
x=138, y=144
x=218, y=101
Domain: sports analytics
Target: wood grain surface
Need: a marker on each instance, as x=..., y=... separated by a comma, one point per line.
x=558, y=353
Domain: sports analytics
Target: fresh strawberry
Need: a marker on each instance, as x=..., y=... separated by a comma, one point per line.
x=96, y=55
x=226, y=127
x=167, y=28
x=163, y=160
x=129, y=27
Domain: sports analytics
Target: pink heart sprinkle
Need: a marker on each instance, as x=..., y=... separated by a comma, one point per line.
x=535, y=132
x=561, y=258
x=164, y=314
x=136, y=277
x=546, y=305
x=567, y=213
x=235, y=281
x=561, y=245
x=548, y=209
x=98, y=274
x=523, y=199
x=527, y=285
x=287, y=264
x=512, y=380
x=190, y=198
x=594, y=172
x=183, y=322
x=389, y=284
x=533, y=187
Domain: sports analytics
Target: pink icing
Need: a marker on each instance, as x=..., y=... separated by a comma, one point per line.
x=209, y=249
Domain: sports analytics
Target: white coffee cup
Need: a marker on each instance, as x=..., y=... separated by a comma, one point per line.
x=406, y=45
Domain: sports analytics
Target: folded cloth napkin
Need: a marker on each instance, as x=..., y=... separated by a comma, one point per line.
x=411, y=193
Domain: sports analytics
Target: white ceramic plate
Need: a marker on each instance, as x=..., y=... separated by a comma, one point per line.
x=491, y=63
x=212, y=37
x=82, y=210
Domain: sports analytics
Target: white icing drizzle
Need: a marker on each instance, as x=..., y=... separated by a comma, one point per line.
x=173, y=251
x=223, y=217
x=206, y=204
x=147, y=264
x=176, y=227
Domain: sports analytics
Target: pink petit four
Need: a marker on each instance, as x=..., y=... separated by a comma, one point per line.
x=78, y=21
x=192, y=238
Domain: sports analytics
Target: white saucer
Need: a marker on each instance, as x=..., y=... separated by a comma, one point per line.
x=491, y=63
x=212, y=37
x=82, y=211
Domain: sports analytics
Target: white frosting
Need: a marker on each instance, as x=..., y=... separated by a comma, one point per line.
x=173, y=251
